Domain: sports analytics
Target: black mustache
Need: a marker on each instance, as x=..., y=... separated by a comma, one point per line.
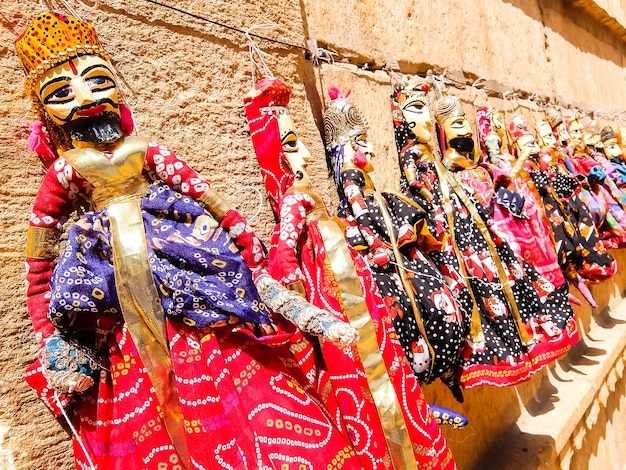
x=89, y=106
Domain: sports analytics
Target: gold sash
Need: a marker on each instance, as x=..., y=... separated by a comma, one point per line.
x=119, y=185
x=383, y=393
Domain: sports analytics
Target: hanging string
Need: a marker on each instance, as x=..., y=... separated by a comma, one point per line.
x=317, y=55
x=223, y=25
x=48, y=5
x=95, y=6
x=256, y=54
x=73, y=429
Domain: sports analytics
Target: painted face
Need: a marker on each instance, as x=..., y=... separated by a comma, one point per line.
x=497, y=122
x=296, y=152
x=417, y=115
x=527, y=145
x=564, y=137
x=81, y=96
x=359, y=151
x=612, y=149
x=459, y=134
x=576, y=131
x=546, y=136
x=82, y=87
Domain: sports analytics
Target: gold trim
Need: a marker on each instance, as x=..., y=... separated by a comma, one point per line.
x=383, y=393
x=136, y=291
x=41, y=243
x=504, y=280
x=214, y=203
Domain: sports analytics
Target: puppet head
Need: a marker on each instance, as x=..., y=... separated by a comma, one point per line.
x=455, y=132
x=345, y=135
x=609, y=139
x=71, y=82
x=281, y=155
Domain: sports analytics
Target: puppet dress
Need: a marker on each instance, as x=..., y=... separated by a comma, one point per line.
x=427, y=319
x=237, y=397
x=309, y=248
x=579, y=247
x=523, y=226
x=516, y=323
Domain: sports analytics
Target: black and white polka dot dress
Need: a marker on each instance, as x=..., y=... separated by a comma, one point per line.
x=518, y=310
x=426, y=316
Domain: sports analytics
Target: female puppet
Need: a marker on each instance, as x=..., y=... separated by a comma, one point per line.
x=604, y=199
x=379, y=399
x=515, y=212
x=582, y=255
x=517, y=324
x=427, y=318
x=153, y=327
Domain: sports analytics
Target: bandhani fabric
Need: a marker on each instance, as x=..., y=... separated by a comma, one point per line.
x=245, y=400
x=305, y=247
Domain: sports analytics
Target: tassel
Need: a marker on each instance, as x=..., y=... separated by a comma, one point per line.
x=573, y=299
x=128, y=123
x=334, y=92
x=38, y=142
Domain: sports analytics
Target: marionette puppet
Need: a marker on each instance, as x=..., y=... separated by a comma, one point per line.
x=582, y=256
x=157, y=344
x=515, y=325
x=613, y=153
x=515, y=211
x=389, y=231
x=604, y=199
x=379, y=398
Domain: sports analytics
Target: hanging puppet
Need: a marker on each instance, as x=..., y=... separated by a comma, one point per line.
x=389, y=230
x=156, y=342
x=582, y=256
x=517, y=324
x=604, y=199
x=378, y=396
x=514, y=212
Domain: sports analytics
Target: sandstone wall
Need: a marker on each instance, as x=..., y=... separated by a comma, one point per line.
x=185, y=78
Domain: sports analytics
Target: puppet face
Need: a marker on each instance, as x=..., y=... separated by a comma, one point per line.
x=295, y=151
x=527, y=145
x=497, y=122
x=546, y=136
x=611, y=148
x=417, y=115
x=358, y=150
x=576, y=131
x=81, y=97
x=458, y=134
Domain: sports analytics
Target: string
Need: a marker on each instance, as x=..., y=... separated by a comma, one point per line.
x=256, y=54
x=74, y=432
x=319, y=54
x=95, y=6
x=223, y=25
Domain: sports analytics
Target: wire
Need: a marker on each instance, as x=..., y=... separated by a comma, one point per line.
x=223, y=25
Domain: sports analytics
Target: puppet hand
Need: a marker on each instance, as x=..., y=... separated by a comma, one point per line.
x=301, y=313
x=68, y=366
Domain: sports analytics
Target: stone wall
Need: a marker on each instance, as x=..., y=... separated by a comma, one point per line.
x=185, y=79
